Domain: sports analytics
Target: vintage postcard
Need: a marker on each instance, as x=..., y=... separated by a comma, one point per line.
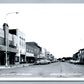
x=41, y=41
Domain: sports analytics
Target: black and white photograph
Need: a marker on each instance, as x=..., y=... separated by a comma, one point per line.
x=41, y=41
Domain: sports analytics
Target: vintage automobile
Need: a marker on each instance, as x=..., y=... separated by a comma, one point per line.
x=42, y=61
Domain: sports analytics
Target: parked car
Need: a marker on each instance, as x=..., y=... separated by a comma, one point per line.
x=54, y=60
x=74, y=61
x=42, y=61
x=47, y=61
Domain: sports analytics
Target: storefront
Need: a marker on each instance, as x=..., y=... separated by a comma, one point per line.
x=30, y=58
x=11, y=52
x=22, y=58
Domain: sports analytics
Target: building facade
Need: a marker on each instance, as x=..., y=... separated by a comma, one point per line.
x=30, y=58
x=32, y=52
x=43, y=53
x=79, y=56
x=76, y=56
x=14, y=49
x=7, y=46
x=21, y=46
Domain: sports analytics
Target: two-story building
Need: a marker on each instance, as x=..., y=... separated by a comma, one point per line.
x=75, y=56
x=32, y=51
x=21, y=46
x=7, y=46
x=79, y=56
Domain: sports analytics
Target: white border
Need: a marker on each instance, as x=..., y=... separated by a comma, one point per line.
x=41, y=79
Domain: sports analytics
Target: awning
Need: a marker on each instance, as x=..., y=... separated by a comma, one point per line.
x=29, y=54
x=9, y=49
x=12, y=50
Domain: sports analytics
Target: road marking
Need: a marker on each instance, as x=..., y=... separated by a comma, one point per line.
x=23, y=74
x=54, y=74
x=64, y=74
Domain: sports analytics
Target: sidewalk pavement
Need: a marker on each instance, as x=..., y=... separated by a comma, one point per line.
x=16, y=66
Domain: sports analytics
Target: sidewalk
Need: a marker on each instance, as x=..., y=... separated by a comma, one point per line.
x=16, y=65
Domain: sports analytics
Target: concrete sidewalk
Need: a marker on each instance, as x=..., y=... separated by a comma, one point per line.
x=16, y=65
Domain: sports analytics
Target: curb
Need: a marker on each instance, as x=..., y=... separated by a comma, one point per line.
x=15, y=66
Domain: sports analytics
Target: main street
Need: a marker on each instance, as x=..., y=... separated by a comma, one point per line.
x=57, y=70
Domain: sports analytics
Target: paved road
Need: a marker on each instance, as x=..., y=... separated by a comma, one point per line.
x=57, y=70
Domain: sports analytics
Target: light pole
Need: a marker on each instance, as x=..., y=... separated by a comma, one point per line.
x=8, y=14
x=6, y=38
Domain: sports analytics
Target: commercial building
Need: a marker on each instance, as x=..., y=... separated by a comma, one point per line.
x=79, y=56
x=43, y=53
x=32, y=52
x=14, y=49
x=75, y=56
x=21, y=46
x=30, y=58
x=7, y=46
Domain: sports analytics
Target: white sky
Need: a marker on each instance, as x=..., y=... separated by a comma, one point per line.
x=57, y=27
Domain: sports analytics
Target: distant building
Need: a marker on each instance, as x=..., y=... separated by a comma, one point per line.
x=75, y=56
x=21, y=46
x=32, y=52
x=46, y=55
x=42, y=53
x=50, y=57
x=79, y=56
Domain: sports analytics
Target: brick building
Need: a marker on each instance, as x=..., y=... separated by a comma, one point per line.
x=32, y=51
x=79, y=56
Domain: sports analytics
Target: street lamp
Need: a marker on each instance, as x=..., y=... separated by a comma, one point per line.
x=8, y=14
x=6, y=38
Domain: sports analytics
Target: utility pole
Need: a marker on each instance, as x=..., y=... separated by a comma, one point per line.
x=6, y=32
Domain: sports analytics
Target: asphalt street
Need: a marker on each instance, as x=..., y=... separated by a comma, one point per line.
x=57, y=70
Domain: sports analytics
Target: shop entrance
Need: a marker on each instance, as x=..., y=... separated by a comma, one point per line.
x=22, y=58
x=11, y=58
x=2, y=58
x=30, y=59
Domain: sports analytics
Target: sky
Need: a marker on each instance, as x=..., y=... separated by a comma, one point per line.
x=57, y=27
